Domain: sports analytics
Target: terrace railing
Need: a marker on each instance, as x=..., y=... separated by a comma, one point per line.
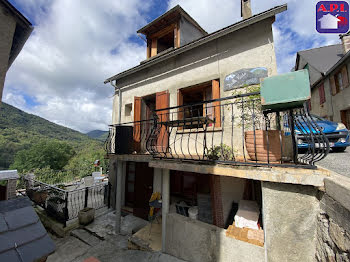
x=64, y=205
x=231, y=130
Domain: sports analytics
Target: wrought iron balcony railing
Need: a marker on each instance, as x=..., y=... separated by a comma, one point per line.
x=230, y=130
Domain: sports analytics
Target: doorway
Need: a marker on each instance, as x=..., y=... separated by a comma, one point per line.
x=138, y=188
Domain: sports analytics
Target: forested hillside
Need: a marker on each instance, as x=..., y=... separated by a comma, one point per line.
x=29, y=142
x=98, y=134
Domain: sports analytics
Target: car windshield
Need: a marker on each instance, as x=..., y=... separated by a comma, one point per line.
x=314, y=118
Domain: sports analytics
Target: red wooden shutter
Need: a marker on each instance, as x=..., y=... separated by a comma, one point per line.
x=321, y=94
x=333, y=87
x=162, y=101
x=216, y=95
x=344, y=73
x=137, y=125
x=343, y=117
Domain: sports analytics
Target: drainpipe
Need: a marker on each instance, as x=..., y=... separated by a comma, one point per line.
x=120, y=100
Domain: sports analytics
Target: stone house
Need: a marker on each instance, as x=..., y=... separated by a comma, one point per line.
x=8, y=182
x=167, y=113
x=328, y=68
x=14, y=32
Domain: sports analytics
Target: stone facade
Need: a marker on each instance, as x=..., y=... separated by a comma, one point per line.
x=333, y=241
x=333, y=222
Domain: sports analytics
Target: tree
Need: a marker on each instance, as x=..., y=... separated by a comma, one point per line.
x=45, y=153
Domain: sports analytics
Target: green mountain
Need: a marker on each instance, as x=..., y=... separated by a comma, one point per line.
x=20, y=130
x=98, y=134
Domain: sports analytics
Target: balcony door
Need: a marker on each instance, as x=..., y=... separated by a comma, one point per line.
x=162, y=101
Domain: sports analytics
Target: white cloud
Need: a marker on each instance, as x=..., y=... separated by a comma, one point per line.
x=69, y=55
x=77, y=44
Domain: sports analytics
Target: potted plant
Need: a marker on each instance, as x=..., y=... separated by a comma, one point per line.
x=261, y=145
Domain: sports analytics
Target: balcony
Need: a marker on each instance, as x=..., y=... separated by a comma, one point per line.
x=232, y=130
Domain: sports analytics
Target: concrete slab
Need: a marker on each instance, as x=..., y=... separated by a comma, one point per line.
x=299, y=176
x=68, y=249
x=104, y=225
x=148, y=238
x=338, y=188
x=131, y=224
x=86, y=237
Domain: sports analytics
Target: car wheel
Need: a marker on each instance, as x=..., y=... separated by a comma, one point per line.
x=338, y=149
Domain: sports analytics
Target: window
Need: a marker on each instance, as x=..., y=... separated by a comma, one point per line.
x=168, y=37
x=339, y=80
x=197, y=111
x=165, y=42
x=321, y=94
x=128, y=109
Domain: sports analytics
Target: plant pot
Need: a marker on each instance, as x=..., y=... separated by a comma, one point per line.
x=86, y=216
x=262, y=151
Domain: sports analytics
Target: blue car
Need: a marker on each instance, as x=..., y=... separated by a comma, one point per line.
x=337, y=134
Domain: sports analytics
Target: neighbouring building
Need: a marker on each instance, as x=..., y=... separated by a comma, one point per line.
x=14, y=32
x=179, y=127
x=8, y=182
x=328, y=68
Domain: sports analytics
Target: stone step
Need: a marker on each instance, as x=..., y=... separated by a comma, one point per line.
x=86, y=237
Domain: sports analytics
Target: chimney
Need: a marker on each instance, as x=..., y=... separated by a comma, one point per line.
x=345, y=40
x=246, y=10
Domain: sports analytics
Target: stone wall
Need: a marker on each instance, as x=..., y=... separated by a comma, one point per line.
x=333, y=222
x=11, y=188
x=333, y=241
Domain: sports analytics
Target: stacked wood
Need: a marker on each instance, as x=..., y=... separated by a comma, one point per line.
x=252, y=236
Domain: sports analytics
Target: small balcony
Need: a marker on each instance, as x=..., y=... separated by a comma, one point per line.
x=232, y=130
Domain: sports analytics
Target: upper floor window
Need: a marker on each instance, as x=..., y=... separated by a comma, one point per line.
x=339, y=80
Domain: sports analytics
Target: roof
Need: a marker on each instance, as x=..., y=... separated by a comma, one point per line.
x=171, y=16
x=333, y=68
x=9, y=174
x=22, y=32
x=323, y=58
x=198, y=42
x=22, y=236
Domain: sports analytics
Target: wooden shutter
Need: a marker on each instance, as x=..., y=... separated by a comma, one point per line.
x=216, y=95
x=137, y=125
x=333, y=87
x=321, y=94
x=162, y=101
x=344, y=73
x=343, y=117
x=180, y=102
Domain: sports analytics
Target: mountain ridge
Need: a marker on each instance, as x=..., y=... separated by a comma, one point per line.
x=19, y=130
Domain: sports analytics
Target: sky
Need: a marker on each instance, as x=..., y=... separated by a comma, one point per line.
x=78, y=44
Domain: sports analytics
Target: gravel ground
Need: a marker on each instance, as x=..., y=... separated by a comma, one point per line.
x=337, y=162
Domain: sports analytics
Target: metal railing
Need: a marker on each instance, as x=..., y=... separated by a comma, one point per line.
x=64, y=205
x=231, y=130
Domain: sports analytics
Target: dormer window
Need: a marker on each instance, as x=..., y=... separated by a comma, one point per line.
x=172, y=30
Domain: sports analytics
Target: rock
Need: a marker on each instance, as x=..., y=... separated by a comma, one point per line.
x=339, y=236
x=343, y=257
